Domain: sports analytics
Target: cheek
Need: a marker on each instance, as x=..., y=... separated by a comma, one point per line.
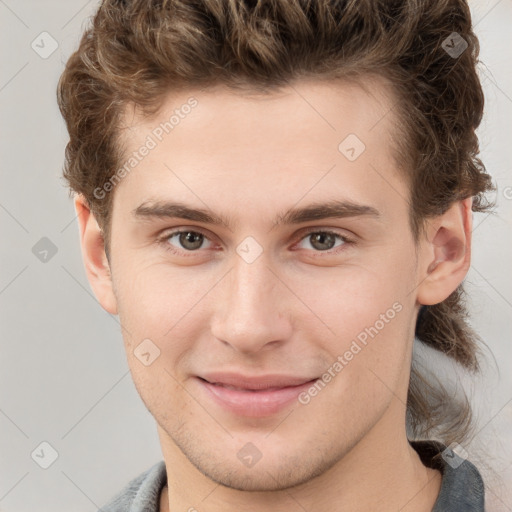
x=151, y=310
x=154, y=297
x=349, y=299
x=369, y=310
x=161, y=315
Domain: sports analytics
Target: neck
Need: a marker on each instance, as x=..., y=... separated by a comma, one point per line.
x=381, y=472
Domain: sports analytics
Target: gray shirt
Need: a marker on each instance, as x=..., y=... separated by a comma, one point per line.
x=462, y=488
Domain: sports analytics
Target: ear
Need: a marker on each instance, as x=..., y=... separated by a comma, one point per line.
x=446, y=253
x=93, y=253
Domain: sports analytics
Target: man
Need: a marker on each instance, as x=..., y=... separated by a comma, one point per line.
x=275, y=197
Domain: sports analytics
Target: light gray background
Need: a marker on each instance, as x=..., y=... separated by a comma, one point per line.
x=64, y=377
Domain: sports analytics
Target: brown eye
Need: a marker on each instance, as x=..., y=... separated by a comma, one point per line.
x=186, y=241
x=190, y=240
x=324, y=240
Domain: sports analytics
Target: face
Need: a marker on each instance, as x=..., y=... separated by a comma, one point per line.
x=269, y=345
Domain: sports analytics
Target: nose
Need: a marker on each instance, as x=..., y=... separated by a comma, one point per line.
x=252, y=313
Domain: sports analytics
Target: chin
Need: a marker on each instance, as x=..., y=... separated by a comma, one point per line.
x=278, y=472
x=261, y=480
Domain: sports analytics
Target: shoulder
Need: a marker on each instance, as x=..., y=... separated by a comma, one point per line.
x=462, y=487
x=142, y=494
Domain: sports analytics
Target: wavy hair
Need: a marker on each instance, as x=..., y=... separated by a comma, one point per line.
x=136, y=51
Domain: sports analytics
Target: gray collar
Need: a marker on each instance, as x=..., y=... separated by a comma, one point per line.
x=462, y=487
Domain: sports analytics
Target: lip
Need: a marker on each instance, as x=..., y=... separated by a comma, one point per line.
x=253, y=396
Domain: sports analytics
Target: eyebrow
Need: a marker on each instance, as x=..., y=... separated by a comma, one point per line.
x=316, y=211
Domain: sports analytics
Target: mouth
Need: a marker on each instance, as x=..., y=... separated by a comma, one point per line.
x=247, y=389
x=253, y=396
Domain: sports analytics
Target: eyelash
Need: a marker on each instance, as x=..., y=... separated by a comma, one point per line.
x=164, y=240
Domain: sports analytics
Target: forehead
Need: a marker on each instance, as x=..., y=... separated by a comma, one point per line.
x=307, y=137
x=338, y=105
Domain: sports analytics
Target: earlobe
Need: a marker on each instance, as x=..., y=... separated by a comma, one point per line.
x=93, y=253
x=446, y=255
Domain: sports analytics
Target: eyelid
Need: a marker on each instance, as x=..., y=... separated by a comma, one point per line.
x=347, y=241
x=164, y=237
x=334, y=231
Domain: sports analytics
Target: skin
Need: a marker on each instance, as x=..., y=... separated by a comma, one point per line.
x=292, y=311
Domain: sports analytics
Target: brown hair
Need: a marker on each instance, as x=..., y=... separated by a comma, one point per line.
x=137, y=51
